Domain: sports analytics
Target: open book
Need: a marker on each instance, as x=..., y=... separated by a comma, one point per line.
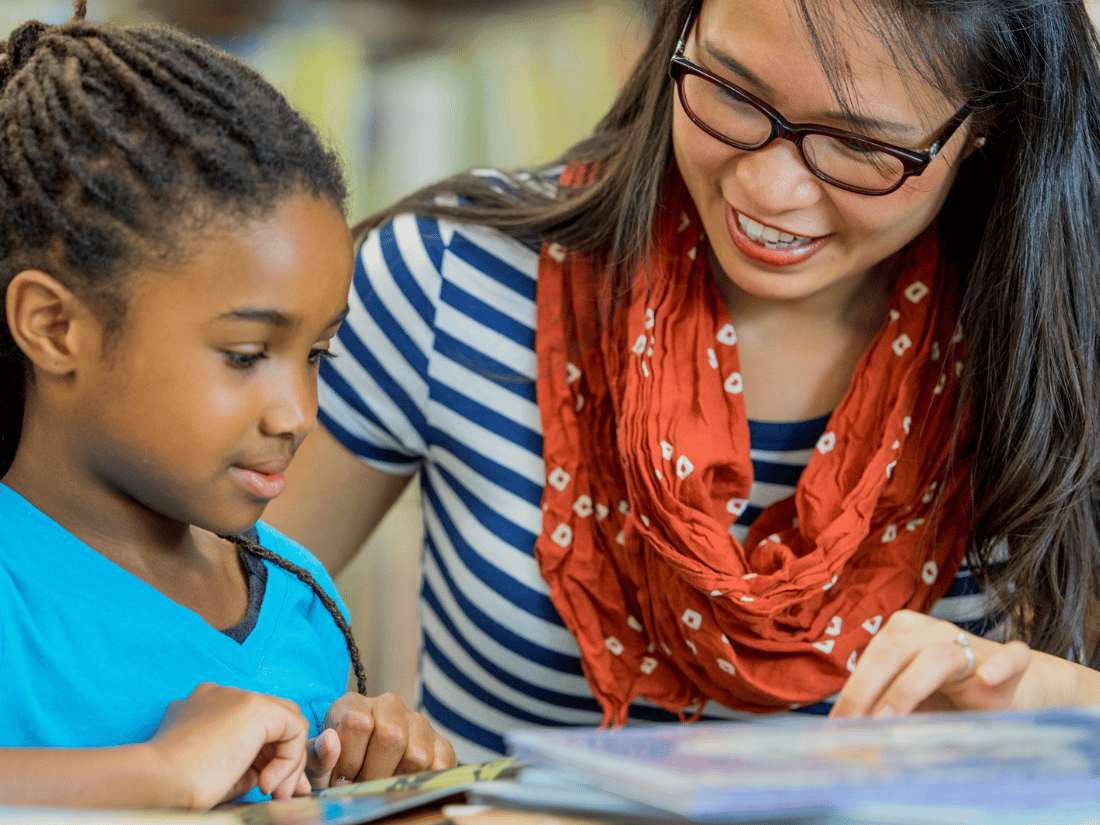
x=364, y=802
x=814, y=766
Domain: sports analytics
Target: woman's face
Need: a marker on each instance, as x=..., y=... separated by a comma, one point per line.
x=761, y=46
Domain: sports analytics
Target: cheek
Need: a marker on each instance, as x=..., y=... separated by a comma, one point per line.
x=700, y=157
x=902, y=214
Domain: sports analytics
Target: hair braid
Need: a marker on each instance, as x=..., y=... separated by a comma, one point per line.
x=259, y=551
x=117, y=145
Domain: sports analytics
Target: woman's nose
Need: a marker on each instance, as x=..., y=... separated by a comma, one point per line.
x=776, y=178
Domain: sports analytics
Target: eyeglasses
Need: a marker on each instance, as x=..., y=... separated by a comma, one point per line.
x=846, y=160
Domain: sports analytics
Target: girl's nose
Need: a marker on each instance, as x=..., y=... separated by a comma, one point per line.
x=776, y=179
x=292, y=405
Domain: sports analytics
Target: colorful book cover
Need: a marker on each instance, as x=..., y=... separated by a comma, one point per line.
x=803, y=766
x=363, y=802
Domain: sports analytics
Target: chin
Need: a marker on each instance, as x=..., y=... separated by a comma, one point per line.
x=230, y=525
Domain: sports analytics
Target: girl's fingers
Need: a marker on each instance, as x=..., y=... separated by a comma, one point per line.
x=389, y=742
x=323, y=754
x=283, y=757
x=221, y=742
x=355, y=729
x=444, y=753
x=420, y=751
x=279, y=776
x=380, y=737
x=243, y=785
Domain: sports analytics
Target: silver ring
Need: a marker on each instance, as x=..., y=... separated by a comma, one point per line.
x=963, y=641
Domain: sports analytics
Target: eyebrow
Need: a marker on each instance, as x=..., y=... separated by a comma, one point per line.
x=273, y=317
x=854, y=120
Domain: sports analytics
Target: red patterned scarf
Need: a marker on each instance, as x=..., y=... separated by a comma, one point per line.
x=647, y=463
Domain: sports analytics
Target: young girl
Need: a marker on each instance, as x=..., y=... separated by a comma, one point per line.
x=175, y=262
x=782, y=391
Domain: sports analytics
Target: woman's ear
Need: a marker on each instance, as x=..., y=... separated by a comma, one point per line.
x=47, y=321
x=973, y=144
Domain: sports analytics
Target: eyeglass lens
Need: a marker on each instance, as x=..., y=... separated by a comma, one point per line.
x=743, y=125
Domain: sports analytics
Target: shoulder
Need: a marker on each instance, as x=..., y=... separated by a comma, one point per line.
x=293, y=552
x=413, y=269
x=424, y=239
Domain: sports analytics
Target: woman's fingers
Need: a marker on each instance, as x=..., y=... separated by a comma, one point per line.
x=917, y=662
x=1009, y=662
x=937, y=664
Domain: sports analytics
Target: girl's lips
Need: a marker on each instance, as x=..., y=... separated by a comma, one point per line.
x=757, y=251
x=259, y=484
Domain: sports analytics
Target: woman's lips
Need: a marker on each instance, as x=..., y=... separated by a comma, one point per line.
x=756, y=250
x=259, y=484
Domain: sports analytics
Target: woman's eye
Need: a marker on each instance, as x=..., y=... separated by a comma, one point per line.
x=244, y=360
x=860, y=150
x=318, y=354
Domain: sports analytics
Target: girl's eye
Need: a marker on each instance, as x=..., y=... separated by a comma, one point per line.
x=244, y=360
x=317, y=355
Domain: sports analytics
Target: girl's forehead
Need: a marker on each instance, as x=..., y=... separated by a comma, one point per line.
x=845, y=66
x=296, y=261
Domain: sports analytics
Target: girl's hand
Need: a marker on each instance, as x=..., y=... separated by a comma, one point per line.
x=914, y=664
x=372, y=738
x=220, y=742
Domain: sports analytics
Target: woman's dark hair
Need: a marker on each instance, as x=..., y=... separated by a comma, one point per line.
x=117, y=145
x=1019, y=225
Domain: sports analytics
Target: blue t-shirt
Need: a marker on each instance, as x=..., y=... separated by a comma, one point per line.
x=92, y=655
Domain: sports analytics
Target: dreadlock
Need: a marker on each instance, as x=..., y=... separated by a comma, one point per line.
x=253, y=548
x=117, y=145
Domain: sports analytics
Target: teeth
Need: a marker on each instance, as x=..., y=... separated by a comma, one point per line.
x=769, y=236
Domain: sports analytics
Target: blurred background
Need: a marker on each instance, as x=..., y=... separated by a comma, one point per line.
x=410, y=91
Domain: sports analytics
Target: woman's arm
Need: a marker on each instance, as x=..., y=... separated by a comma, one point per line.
x=333, y=500
x=213, y=746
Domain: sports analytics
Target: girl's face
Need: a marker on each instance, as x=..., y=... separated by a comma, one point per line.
x=761, y=46
x=202, y=398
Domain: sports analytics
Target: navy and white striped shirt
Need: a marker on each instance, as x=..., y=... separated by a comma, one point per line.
x=437, y=373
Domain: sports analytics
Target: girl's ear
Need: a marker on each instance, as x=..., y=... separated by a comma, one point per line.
x=47, y=321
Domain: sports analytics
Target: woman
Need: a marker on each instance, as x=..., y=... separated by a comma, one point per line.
x=812, y=321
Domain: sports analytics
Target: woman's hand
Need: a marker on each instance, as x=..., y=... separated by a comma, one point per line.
x=914, y=664
x=220, y=742
x=372, y=738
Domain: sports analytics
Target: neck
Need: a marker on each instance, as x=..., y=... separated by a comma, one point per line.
x=819, y=338
x=857, y=305
x=50, y=476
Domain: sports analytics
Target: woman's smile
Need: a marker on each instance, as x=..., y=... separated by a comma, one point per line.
x=767, y=244
x=777, y=232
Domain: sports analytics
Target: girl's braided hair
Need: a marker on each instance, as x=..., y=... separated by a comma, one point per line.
x=253, y=548
x=118, y=145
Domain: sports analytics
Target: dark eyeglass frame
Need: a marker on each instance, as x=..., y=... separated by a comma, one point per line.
x=913, y=162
